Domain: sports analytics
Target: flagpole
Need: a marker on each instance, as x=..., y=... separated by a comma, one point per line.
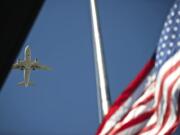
x=103, y=93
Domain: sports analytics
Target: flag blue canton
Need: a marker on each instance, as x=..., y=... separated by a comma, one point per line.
x=169, y=42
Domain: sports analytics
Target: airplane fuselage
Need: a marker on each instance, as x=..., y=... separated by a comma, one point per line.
x=27, y=65
x=27, y=68
x=27, y=58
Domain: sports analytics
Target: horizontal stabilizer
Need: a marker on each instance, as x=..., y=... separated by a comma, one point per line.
x=25, y=84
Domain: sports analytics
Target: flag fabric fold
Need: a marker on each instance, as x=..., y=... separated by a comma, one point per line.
x=150, y=104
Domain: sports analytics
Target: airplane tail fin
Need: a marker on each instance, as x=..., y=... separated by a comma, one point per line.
x=25, y=84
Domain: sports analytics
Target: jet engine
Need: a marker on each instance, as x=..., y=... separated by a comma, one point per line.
x=18, y=62
x=36, y=60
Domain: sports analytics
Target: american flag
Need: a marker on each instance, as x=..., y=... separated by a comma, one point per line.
x=150, y=104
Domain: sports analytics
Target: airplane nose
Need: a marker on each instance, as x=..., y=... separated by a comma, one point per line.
x=27, y=47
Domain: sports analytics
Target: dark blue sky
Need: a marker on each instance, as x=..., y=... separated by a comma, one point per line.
x=64, y=101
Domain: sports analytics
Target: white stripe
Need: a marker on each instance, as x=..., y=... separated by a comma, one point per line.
x=163, y=104
x=126, y=106
x=122, y=110
x=162, y=108
x=174, y=104
x=172, y=61
x=164, y=69
x=132, y=130
x=137, y=111
x=168, y=81
x=116, y=117
x=152, y=120
x=148, y=92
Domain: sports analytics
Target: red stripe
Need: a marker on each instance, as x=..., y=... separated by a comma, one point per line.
x=146, y=129
x=135, y=108
x=137, y=105
x=149, y=98
x=130, y=123
x=145, y=101
x=127, y=92
x=172, y=69
x=147, y=87
x=173, y=128
x=168, y=109
x=177, y=122
x=135, y=121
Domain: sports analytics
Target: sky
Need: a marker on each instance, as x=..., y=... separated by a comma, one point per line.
x=64, y=101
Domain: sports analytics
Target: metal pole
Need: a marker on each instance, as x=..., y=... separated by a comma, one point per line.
x=103, y=93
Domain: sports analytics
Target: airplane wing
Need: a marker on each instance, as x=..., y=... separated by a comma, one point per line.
x=37, y=66
x=19, y=65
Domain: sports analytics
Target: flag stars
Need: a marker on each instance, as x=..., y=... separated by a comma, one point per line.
x=170, y=21
x=161, y=53
x=163, y=45
x=173, y=36
x=170, y=36
x=175, y=6
x=172, y=13
x=168, y=29
x=167, y=55
x=178, y=12
x=168, y=52
x=160, y=62
x=178, y=43
x=165, y=37
x=171, y=44
x=175, y=28
x=177, y=20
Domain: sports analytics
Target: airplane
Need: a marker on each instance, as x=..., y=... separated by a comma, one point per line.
x=27, y=65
